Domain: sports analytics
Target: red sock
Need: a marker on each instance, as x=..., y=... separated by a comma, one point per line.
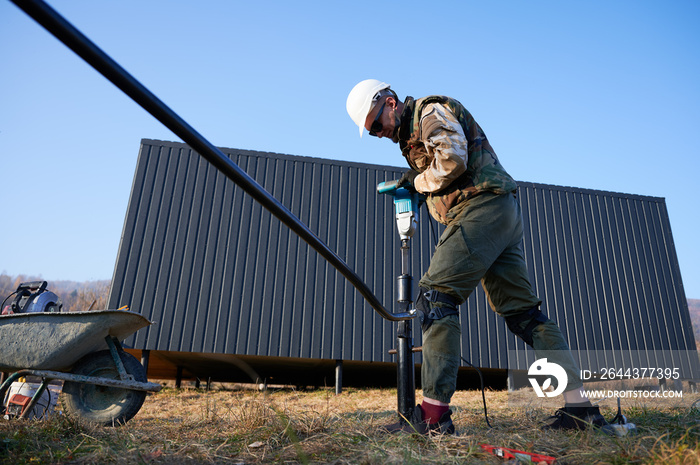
x=432, y=412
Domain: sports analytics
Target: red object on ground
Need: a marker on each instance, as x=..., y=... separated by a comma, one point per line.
x=19, y=400
x=525, y=457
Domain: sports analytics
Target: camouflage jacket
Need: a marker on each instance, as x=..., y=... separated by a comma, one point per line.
x=441, y=140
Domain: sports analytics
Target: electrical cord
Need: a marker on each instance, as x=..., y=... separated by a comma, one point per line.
x=694, y=406
x=483, y=394
x=3, y=302
x=48, y=403
x=481, y=376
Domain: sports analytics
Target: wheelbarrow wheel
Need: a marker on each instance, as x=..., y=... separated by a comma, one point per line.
x=101, y=405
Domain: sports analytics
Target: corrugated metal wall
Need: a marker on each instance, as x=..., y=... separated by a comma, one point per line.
x=606, y=268
x=218, y=274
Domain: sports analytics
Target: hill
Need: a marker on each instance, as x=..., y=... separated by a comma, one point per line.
x=694, y=309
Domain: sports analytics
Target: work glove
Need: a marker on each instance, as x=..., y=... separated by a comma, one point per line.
x=408, y=178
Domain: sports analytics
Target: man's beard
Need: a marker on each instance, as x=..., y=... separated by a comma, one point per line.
x=397, y=125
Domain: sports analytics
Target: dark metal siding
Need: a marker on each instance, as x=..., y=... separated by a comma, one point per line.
x=218, y=274
x=605, y=266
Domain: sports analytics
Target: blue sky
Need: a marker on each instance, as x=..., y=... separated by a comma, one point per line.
x=597, y=94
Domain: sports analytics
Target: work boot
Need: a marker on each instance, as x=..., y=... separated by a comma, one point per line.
x=416, y=424
x=578, y=418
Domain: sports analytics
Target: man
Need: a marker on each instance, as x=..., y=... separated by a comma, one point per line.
x=469, y=191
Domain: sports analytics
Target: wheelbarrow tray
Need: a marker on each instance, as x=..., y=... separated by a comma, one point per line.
x=56, y=341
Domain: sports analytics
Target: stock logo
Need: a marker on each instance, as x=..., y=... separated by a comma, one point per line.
x=542, y=368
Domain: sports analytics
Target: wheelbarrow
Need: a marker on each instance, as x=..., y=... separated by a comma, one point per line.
x=102, y=384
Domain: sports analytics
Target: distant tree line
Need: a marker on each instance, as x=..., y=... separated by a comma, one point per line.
x=694, y=309
x=75, y=296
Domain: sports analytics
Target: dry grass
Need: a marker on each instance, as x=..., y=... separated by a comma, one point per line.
x=286, y=426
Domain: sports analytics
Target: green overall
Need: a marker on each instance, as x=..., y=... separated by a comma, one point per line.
x=482, y=242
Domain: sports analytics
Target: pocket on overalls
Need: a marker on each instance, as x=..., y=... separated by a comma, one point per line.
x=452, y=255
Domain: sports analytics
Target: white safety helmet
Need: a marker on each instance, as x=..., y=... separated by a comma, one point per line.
x=361, y=100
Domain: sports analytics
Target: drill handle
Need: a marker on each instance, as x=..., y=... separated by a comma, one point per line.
x=387, y=187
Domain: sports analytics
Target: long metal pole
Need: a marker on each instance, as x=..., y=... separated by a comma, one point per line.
x=95, y=57
x=405, y=366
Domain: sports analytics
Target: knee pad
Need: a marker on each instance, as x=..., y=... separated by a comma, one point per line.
x=532, y=319
x=430, y=312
